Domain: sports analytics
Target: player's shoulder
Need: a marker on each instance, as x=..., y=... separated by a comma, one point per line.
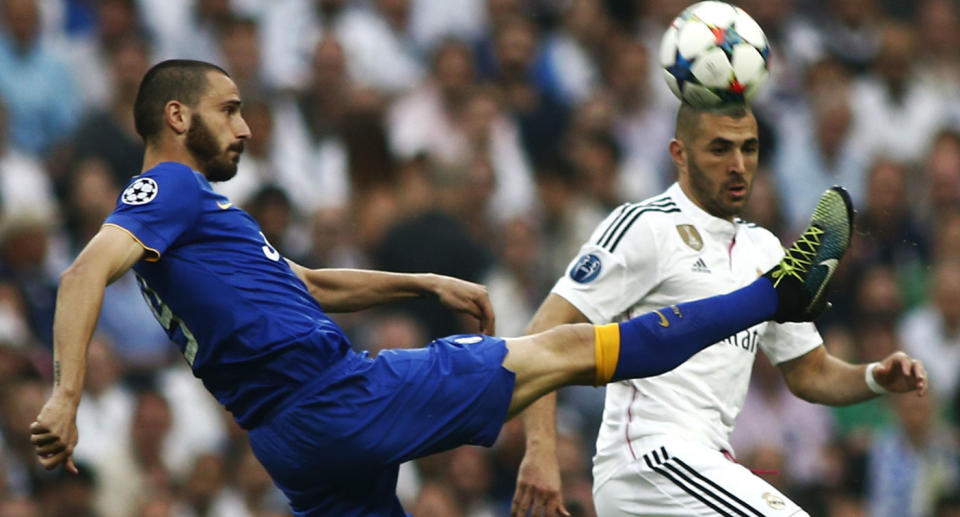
x=762, y=236
x=166, y=180
x=628, y=217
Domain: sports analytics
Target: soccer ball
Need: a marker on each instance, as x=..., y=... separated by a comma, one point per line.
x=713, y=54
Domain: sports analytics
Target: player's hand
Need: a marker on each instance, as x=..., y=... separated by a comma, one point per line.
x=467, y=297
x=900, y=373
x=54, y=433
x=538, y=486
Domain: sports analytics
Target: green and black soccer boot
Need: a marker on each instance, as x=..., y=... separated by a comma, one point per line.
x=802, y=275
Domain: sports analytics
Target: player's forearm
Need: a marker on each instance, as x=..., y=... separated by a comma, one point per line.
x=79, y=299
x=540, y=424
x=831, y=381
x=345, y=290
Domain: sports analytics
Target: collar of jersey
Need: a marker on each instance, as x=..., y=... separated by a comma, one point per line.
x=720, y=228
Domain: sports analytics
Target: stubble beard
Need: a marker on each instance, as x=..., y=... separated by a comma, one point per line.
x=711, y=194
x=215, y=163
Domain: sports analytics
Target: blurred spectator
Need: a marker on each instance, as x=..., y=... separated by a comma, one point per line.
x=240, y=46
x=468, y=472
x=14, y=506
x=568, y=216
x=941, y=176
x=187, y=30
x=424, y=119
x=86, y=48
x=68, y=495
x=108, y=134
x=431, y=21
x=134, y=467
x=596, y=159
x=911, y=465
x=895, y=113
x=774, y=419
x=437, y=499
x=104, y=414
x=41, y=104
x=887, y=230
x=642, y=127
x=817, y=146
x=381, y=52
x=409, y=247
x=517, y=283
x=850, y=31
x=271, y=207
x=765, y=207
x=291, y=30
x=24, y=184
x=455, y=123
x=931, y=332
x=313, y=169
x=19, y=404
x=569, y=68
x=91, y=195
x=542, y=118
x=27, y=261
x=937, y=22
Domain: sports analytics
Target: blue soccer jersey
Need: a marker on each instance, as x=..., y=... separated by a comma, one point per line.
x=244, y=321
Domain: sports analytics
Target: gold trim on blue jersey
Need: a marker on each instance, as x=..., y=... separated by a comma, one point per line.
x=155, y=258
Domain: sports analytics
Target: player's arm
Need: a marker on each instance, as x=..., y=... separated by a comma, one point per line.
x=106, y=257
x=822, y=378
x=538, y=480
x=347, y=290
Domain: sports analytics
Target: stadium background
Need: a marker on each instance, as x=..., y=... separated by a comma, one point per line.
x=482, y=139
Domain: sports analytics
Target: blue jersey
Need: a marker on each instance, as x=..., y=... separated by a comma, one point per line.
x=244, y=321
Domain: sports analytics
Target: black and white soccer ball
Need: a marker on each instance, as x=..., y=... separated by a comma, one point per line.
x=714, y=53
x=141, y=191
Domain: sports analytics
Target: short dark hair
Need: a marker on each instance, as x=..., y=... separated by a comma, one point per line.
x=183, y=80
x=688, y=117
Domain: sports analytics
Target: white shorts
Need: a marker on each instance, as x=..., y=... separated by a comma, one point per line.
x=671, y=477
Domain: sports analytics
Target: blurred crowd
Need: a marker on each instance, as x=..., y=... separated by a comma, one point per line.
x=482, y=139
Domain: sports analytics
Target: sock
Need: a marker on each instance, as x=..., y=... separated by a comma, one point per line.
x=659, y=341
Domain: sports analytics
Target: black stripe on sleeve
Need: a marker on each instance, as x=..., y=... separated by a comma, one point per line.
x=634, y=216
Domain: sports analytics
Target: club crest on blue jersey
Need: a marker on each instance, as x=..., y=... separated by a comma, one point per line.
x=140, y=192
x=586, y=269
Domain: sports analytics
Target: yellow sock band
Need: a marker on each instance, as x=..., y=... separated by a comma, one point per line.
x=607, y=350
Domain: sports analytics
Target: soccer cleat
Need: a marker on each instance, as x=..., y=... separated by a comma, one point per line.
x=802, y=275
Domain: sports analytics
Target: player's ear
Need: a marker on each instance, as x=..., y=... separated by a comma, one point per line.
x=678, y=153
x=177, y=115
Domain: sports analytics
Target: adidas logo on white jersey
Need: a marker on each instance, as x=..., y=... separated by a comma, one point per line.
x=700, y=266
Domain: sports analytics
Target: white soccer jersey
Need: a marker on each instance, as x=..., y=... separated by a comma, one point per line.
x=659, y=252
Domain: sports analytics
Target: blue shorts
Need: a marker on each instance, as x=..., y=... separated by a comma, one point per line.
x=337, y=448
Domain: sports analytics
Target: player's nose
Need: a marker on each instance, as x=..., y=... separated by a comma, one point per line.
x=737, y=163
x=242, y=130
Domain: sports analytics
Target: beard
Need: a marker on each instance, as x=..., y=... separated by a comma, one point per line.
x=713, y=195
x=215, y=163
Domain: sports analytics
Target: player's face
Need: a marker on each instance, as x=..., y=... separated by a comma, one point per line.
x=217, y=130
x=721, y=163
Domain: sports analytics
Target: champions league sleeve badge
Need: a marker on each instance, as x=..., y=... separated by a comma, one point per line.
x=140, y=192
x=587, y=269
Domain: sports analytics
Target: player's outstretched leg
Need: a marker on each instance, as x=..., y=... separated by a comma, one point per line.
x=794, y=290
x=801, y=277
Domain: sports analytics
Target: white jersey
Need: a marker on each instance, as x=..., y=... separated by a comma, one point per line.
x=660, y=252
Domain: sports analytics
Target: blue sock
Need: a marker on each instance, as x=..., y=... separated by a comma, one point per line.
x=659, y=341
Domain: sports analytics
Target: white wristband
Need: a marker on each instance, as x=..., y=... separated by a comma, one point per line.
x=872, y=381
